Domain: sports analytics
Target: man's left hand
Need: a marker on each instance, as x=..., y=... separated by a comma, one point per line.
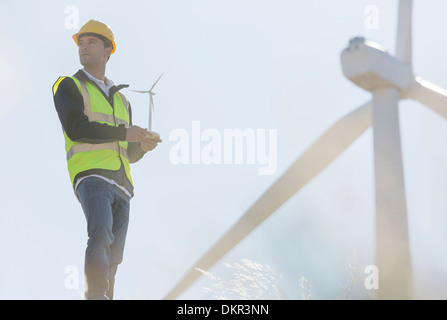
x=150, y=142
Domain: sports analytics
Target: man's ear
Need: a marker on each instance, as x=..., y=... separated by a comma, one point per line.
x=108, y=52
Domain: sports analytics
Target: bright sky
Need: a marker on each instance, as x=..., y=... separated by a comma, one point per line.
x=253, y=64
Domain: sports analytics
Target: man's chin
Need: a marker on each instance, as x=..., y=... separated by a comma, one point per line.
x=85, y=62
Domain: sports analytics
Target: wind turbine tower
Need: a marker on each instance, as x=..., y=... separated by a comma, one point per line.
x=370, y=67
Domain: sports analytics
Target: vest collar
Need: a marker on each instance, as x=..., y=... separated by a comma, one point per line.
x=80, y=75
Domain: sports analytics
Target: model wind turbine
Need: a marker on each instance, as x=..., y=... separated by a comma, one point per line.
x=151, y=103
x=389, y=79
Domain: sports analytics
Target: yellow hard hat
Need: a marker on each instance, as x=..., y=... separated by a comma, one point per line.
x=96, y=27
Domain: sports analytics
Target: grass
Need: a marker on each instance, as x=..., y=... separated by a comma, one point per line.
x=251, y=281
x=255, y=281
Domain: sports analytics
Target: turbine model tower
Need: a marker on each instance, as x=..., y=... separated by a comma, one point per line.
x=389, y=79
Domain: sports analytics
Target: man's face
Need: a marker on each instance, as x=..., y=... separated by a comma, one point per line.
x=92, y=51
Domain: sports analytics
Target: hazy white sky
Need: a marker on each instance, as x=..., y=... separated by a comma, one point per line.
x=252, y=64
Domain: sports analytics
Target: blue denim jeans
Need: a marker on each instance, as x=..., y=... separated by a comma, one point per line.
x=106, y=209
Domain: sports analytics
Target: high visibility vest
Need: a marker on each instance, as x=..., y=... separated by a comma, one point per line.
x=107, y=156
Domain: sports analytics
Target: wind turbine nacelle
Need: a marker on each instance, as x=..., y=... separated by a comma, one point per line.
x=368, y=65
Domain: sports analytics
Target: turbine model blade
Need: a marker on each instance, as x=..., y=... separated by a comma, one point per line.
x=140, y=91
x=430, y=95
x=156, y=81
x=328, y=147
x=404, y=35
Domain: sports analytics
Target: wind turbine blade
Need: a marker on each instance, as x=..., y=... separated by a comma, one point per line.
x=328, y=147
x=404, y=34
x=430, y=95
x=156, y=81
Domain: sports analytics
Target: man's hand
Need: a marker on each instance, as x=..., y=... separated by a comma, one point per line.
x=150, y=141
x=135, y=134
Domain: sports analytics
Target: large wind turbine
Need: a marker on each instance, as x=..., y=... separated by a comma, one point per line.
x=389, y=79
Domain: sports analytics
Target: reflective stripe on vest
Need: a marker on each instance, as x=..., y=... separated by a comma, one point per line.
x=87, y=147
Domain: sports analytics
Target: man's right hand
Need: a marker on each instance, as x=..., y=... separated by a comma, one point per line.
x=135, y=134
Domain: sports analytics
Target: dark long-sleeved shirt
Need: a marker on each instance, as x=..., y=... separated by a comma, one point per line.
x=70, y=108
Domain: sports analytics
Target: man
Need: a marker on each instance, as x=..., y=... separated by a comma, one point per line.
x=100, y=142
